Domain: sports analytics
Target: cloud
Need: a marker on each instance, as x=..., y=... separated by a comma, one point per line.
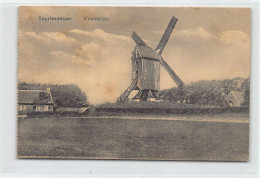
x=237, y=38
x=51, y=37
x=193, y=34
x=100, y=34
x=100, y=62
x=197, y=54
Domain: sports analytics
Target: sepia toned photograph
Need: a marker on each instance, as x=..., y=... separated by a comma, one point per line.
x=137, y=83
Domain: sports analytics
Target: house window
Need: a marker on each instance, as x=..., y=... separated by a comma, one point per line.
x=136, y=63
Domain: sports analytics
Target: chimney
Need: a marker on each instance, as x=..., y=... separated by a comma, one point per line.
x=48, y=90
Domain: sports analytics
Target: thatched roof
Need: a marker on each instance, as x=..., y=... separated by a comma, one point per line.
x=33, y=96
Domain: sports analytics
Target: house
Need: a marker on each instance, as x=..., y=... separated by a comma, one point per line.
x=235, y=99
x=35, y=101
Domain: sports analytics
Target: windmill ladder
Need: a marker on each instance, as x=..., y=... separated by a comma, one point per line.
x=125, y=95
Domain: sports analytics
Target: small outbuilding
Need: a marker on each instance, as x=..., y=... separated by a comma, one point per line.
x=235, y=99
x=35, y=101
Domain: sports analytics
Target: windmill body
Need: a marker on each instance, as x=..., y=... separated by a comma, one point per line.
x=146, y=67
x=146, y=64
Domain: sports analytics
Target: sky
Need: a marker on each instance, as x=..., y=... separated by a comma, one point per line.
x=206, y=44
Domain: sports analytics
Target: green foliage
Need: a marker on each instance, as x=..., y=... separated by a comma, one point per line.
x=206, y=92
x=43, y=98
x=246, y=87
x=63, y=95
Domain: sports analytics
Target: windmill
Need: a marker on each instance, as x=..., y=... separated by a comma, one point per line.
x=146, y=67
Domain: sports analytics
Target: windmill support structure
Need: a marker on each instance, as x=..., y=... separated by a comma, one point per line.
x=143, y=95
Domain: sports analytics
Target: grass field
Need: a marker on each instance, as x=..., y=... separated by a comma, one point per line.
x=162, y=108
x=196, y=137
x=149, y=104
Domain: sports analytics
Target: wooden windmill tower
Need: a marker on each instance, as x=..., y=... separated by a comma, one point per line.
x=146, y=67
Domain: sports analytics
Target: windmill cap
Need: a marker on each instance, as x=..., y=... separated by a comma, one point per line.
x=147, y=52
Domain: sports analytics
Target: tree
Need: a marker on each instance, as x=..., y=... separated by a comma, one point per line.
x=246, y=87
x=63, y=95
x=42, y=98
x=205, y=92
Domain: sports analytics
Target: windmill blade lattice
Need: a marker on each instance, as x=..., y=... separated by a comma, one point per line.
x=166, y=35
x=138, y=40
x=173, y=75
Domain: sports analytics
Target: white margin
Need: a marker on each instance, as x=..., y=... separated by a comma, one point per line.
x=12, y=167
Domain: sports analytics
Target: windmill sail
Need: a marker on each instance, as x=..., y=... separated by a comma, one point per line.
x=174, y=76
x=138, y=40
x=166, y=35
